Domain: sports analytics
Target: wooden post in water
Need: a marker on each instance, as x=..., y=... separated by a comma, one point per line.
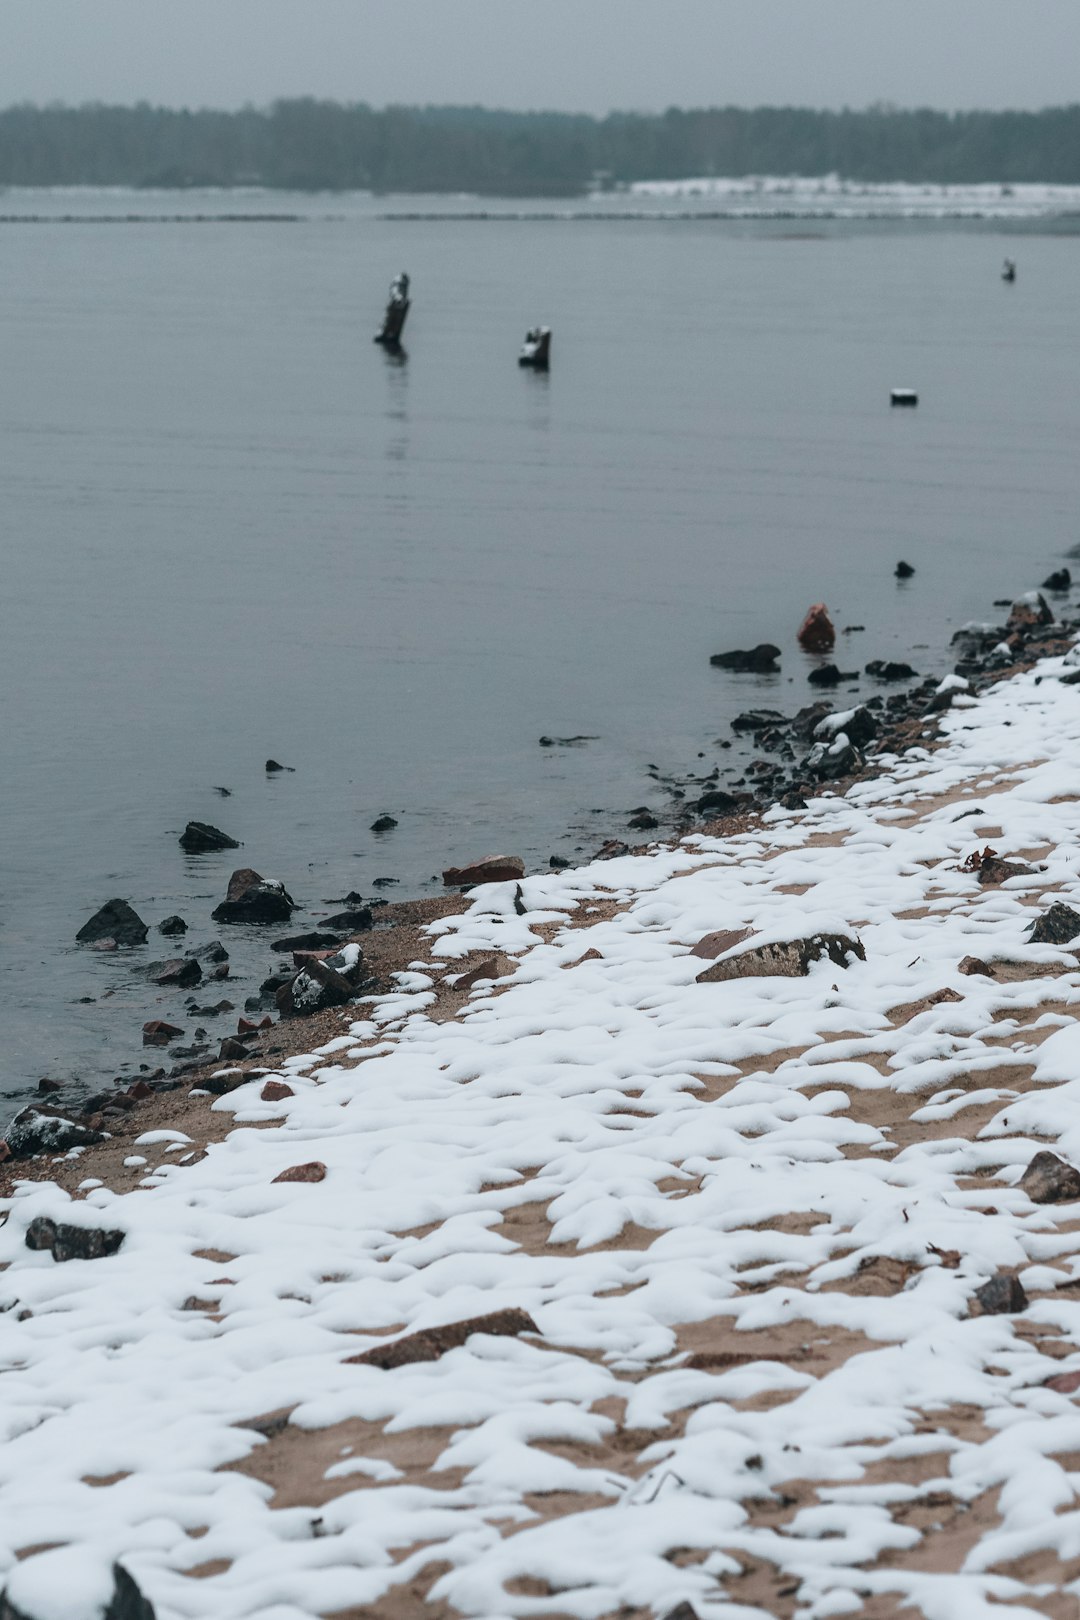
x=396, y=310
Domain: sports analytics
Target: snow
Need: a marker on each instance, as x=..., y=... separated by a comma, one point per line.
x=660, y=1137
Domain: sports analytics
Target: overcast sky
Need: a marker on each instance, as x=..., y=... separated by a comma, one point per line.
x=587, y=55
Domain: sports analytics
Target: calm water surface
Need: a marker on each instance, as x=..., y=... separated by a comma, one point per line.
x=234, y=528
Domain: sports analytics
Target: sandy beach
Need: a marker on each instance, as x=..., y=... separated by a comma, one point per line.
x=732, y=1234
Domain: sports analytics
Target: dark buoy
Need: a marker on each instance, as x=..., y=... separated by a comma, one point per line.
x=397, y=308
x=903, y=396
x=1008, y=270
x=536, y=350
x=904, y=570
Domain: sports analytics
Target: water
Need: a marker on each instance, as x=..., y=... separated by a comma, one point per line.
x=234, y=528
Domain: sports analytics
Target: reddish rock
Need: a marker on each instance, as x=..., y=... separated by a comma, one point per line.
x=488, y=869
x=219, y=1085
x=973, y=965
x=817, y=633
x=1028, y=611
x=245, y=1026
x=1049, y=1180
x=714, y=945
x=158, y=1033
x=790, y=959
x=276, y=1091
x=1001, y=1296
x=432, y=1343
x=483, y=970
x=1065, y=1383
x=179, y=974
x=251, y=898
x=46, y=1087
x=939, y=996
x=314, y=1171
x=5, y=1152
x=140, y=1091
x=232, y=1048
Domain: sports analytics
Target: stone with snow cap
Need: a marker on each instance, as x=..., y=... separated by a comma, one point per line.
x=72, y=1583
x=787, y=959
x=488, y=869
x=1028, y=611
x=251, y=898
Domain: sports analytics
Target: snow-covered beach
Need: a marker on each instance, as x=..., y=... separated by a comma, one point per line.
x=747, y=1220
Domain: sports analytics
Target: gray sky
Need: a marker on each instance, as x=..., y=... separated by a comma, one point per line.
x=587, y=55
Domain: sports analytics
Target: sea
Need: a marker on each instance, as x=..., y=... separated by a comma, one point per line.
x=234, y=528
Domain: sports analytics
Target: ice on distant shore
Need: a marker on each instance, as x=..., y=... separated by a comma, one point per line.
x=830, y=196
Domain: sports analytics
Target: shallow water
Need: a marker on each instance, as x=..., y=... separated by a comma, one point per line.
x=235, y=528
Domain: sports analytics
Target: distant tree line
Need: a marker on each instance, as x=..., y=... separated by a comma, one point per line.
x=323, y=145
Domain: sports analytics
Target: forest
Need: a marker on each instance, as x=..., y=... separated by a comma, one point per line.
x=312, y=145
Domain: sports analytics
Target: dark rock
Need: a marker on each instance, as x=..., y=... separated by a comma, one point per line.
x=48, y=1088
x=817, y=632
x=254, y=899
x=226, y=793
x=1059, y=580
x=488, y=869
x=272, y=765
x=612, y=850
x=793, y=801
x=567, y=742
x=719, y=802
x=974, y=965
x=171, y=926
x=220, y=1085
x=179, y=973
x=384, y=883
x=1001, y=1296
x=758, y=720
x=322, y=982
x=807, y=720
x=884, y=669
x=977, y=639
x=1072, y=679
x=1057, y=926
x=858, y=725
x=1049, y=1180
x=38, y=1129
x=117, y=921
x=350, y=922
x=830, y=675
x=993, y=870
x=71, y=1242
x=757, y=660
x=432, y=1343
x=903, y=570
x=232, y=1050
x=558, y=863
x=520, y=908
x=1029, y=611
x=200, y=838
x=828, y=761
x=788, y=960
x=643, y=821
x=383, y=824
x=315, y=941
x=158, y=1033
x=210, y=955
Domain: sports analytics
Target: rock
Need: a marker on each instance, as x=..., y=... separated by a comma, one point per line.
x=828, y=761
x=254, y=899
x=1001, y=1296
x=1065, y=1383
x=817, y=632
x=559, y=863
x=140, y=1090
x=807, y=720
x=355, y=921
x=214, y=953
x=758, y=720
x=1059, y=580
x=179, y=974
x=830, y=675
x=567, y=742
x=315, y=941
x=759, y=660
x=432, y=1343
x=272, y=765
x=972, y=965
x=232, y=1050
x=200, y=838
x=884, y=669
x=226, y=1080
x=1028, y=611
x=488, y=869
x=383, y=824
x=158, y=1033
x=643, y=821
x=117, y=921
x=171, y=926
x=313, y=1171
x=858, y=725
x=71, y=1242
x=791, y=959
x=38, y=1129
x=903, y=570
x=321, y=983
x=1049, y=1180
x=612, y=850
x=994, y=870
x=488, y=969
x=682, y=1611
x=384, y=883
x=89, y=1592
x=714, y=945
x=276, y=1091
x=1057, y=926
x=245, y=1026
x=1072, y=679
x=48, y=1088
x=719, y=802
